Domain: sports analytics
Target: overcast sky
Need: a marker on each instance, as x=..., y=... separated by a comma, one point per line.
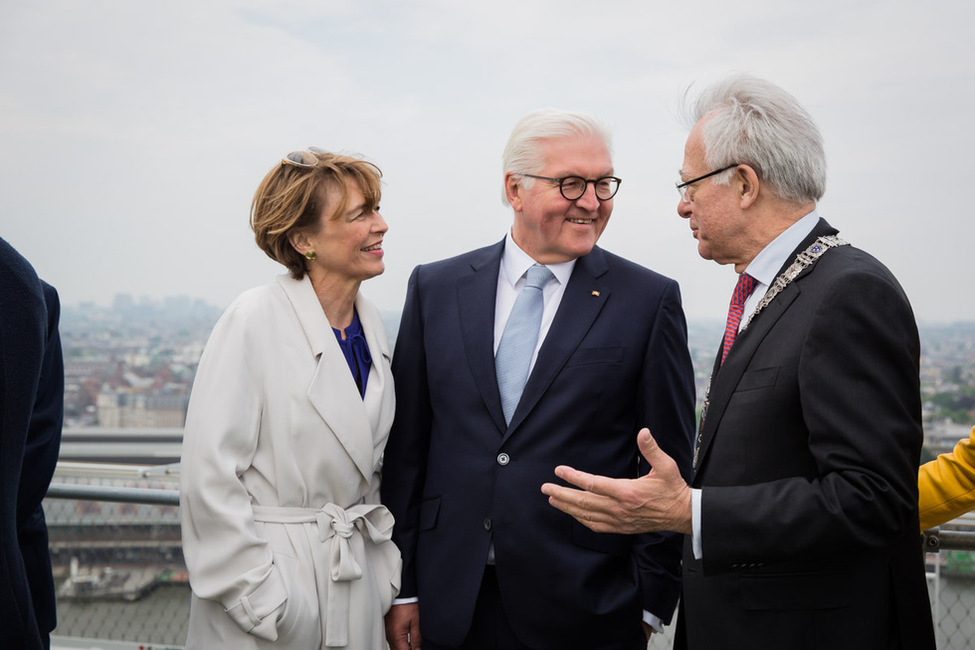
x=133, y=133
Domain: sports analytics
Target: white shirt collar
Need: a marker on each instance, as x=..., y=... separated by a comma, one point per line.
x=515, y=262
x=768, y=262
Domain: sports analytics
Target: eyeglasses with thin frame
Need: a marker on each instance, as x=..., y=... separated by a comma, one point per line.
x=305, y=159
x=573, y=187
x=683, y=187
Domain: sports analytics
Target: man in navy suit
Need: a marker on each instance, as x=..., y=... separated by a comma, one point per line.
x=802, y=516
x=31, y=410
x=486, y=562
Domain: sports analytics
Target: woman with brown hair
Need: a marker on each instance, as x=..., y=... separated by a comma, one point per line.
x=286, y=543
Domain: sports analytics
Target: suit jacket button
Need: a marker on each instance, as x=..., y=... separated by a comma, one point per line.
x=503, y=459
x=488, y=523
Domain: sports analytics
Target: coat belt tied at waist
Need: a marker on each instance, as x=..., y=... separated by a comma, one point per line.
x=336, y=527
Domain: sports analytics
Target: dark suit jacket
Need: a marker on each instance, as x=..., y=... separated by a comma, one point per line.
x=31, y=407
x=615, y=359
x=40, y=460
x=808, y=469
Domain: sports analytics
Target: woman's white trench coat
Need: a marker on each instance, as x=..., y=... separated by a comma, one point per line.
x=283, y=535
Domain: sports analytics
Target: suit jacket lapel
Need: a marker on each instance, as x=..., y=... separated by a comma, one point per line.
x=379, y=401
x=582, y=301
x=331, y=392
x=476, y=299
x=725, y=377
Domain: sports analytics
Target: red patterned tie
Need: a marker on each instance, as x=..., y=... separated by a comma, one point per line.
x=742, y=290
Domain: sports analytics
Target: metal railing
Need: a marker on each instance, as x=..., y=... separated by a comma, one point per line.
x=936, y=539
x=129, y=515
x=148, y=496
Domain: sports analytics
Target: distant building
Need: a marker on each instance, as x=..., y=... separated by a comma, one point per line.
x=941, y=437
x=130, y=409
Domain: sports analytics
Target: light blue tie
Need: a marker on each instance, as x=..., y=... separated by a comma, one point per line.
x=519, y=338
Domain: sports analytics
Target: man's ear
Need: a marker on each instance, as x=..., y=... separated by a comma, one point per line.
x=747, y=184
x=512, y=189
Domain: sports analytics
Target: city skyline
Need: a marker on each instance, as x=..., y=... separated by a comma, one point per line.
x=133, y=135
x=202, y=305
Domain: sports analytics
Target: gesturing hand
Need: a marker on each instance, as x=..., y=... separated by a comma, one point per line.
x=661, y=500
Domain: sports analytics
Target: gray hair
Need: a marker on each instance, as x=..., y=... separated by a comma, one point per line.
x=522, y=154
x=754, y=122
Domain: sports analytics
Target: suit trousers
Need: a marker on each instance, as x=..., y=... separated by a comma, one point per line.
x=490, y=629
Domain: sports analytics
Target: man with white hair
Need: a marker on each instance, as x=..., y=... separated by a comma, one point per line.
x=540, y=350
x=801, y=520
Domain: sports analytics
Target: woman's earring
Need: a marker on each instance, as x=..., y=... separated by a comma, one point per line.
x=310, y=256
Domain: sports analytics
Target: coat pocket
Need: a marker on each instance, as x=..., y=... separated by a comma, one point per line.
x=755, y=379
x=588, y=356
x=429, y=510
x=288, y=618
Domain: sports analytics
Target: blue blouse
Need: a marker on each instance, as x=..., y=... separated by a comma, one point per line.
x=356, y=352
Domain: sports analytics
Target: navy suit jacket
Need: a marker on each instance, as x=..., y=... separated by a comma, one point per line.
x=31, y=408
x=456, y=477
x=808, y=470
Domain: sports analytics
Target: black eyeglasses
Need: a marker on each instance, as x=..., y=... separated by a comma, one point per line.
x=307, y=158
x=573, y=187
x=682, y=187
